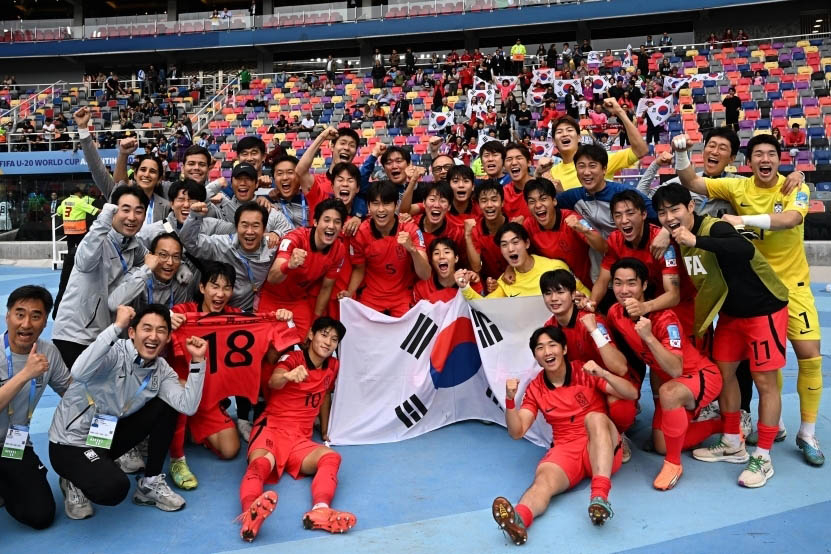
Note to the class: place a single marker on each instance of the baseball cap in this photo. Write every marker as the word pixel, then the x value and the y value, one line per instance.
pixel 244 169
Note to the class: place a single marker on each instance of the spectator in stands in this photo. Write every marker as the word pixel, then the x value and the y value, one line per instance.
pixel 331 67
pixel 566 56
pixel 643 61
pixel 307 123
pixel 742 37
pixel 649 43
pixel 112 86
pixel 666 40
pixel 795 139
pixel 196 86
pixel 395 58
pixel 777 134
pixel 665 68
pixel 541 54
pixel 499 62
pixel 419 78
pixel 378 57
pixel 378 74
pixel 151 80
pixel 378 113
pixel 712 40
pixel 294 126
pixel 599 119
pixel 551 56
pixel 523 121
pixel 400 112
pixel 518 56
pixel 727 38
pixel 732 105
pixel 466 78
pixel 758 78
pixel 225 15
pixel 409 61
pixel 653 132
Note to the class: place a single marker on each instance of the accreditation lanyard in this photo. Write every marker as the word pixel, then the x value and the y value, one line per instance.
pixel 150 294
pixel 32 385
pixel 148 216
pixel 287 211
pixel 120 256
pixel 254 285
pixel 17 436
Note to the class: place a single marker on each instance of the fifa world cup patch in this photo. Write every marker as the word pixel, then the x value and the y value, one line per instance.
pixel 670 259
pixel 674 336
pixel 801 200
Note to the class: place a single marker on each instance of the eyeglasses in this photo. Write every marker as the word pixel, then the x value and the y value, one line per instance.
pixel 164 256
pixel 445 168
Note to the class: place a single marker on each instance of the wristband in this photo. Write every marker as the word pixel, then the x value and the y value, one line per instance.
pixel 510 404
pixel 599 338
pixel 83 132
pixel 682 161
pixel 762 221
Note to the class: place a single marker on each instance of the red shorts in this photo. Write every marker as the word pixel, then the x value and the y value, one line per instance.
pixel 390 306
pixel 760 339
pixel 289 448
pixel 207 421
pixel 573 459
pixel 705 386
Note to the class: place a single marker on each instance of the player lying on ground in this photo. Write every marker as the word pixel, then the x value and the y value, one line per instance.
pixel 571 397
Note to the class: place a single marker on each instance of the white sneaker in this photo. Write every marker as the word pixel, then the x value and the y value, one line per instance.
pixel 244 427
pixel 131 461
pixel 708 412
pixel 746 424
pixel 154 491
pixel 757 472
pixel 75 504
pixel 720 452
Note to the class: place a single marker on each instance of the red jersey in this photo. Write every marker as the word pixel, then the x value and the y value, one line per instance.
pixel 514 203
pixel 319 264
pixel 446 229
pixel 433 291
pixel 565 407
pixel 296 405
pixel 619 248
pixel 667 329
pixel 320 191
pixel 457 219
pixel 493 262
pixel 580 343
pixel 389 268
pixel 562 242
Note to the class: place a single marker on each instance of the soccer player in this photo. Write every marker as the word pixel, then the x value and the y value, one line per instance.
pixel 308 259
pixel 121 391
pixel 517 161
pixel 155 281
pixel 559 233
pixel 462 205
pixel 104 257
pixel 514 243
pixel 299 390
pixel 243 183
pixel 590 340
pixel 687 381
pixel 567 140
pixel 586 443
pixel 433 215
pixel 441 286
pixel 28 365
pixel 247 250
pixel 387 255
pixel 735 282
pixel 777 217
pixel 483 254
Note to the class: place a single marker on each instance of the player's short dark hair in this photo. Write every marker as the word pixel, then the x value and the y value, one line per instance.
pixel 552 281
pixel 442 241
pixel 565 120
pixel 331 204
pixel 326 322
pixel 461 171
pixel 670 195
pixel 196 150
pixel 489 185
pixel 640 269
pixel 593 152
pixel 248 142
pixel 350 168
pixel 31 292
pixel 554 333
pixel 212 270
pixel 763 139
pixel 494 147
pixel 155 241
pixel 348 132
pixel 511 227
pixel 285 158
pixel 543 186
pixel 156 309
pixel 385 191
pixel 522 150
pixel 628 195
pixel 132 190
pixel 250 206
pixel 195 190
pixel 442 188
pixel 392 150
pixel 728 134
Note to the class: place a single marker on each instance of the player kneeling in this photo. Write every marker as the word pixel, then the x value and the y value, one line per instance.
pixel 300 388
pixel 571 396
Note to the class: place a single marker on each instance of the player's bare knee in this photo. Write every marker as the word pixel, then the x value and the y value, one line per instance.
pixel 671 395
pixel 228 451
pixel 596 424
pixel 766 383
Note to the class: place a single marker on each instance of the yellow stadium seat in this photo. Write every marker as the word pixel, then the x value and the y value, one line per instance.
pixel 804 70
pixel 691 71
pixel 257 123
pixel 413 123
pixel 685 92
pixel 230 117
pixel 771 65
pixel 337 99
pixel 803 43
pixel 318 162
pixel 295 113
pixel 367 133
pixel 692 53
pixel 294 101
pixel 274 108
pixel 798 120
pixel 811 49
pixel 291 152
pixel 758 54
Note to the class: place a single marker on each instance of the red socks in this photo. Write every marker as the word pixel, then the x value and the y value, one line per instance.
pixel 177 445
pixel 253 480
pixel 732 422
pixel 525 514
pixel 601 486
pixel 698 431
pixel 622 413
pixel 674 425
pixel 326 479
pixel 766 435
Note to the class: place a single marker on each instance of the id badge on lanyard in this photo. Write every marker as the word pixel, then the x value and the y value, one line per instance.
pixel 102 428
pixel 17 435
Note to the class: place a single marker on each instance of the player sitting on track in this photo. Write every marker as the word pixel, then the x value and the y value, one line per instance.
pixel 300 388
pixel 571 397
